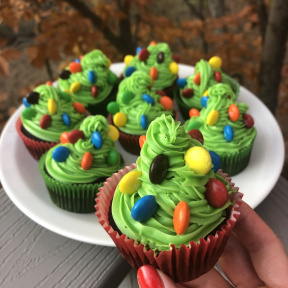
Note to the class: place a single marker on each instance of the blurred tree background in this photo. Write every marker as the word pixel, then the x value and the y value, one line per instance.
pixel 38 38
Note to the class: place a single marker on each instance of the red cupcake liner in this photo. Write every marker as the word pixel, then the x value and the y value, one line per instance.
pixel 182 264
pixel 36 148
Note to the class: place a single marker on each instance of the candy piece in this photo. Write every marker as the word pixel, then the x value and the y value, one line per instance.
pixel 197 79
pixel 216 161
pixel 228 133
pixel 77 60
pixel 130 183
pixel 204 101
pixel 65 74
pixel 248 120
pixel 86 161
pixel 60 153
pixel 193 124
pixel 216 193
pixel 173 67
pixel 52 107
pixel 97 140
pixel 120 119
pixel 143 54
pixel 112 78
pixel 166 102
pixel 65 96
pixel 25 102
pixel 75 87
pixel 127 96
pixel 33 97
pixel 158 169
pixel 79 107
pixel 144 208
pixel 75 135
pixel 154 73
pixel 75 67
pixel 92 76
pixel 160 57
pixel 193 112
pixel 187 93
pixel 113 157
pixel 64 137
pixel 217 76
pixel 29 113
pixel 144 122
pixel 181 82
pixel 233 112
pixel 142 140
pixel 181 217
pixel 94 91
pixel 128 59
pixel 113 107
pixel 138 49
pixel 66 119
pixel 152 43
pixel 205 93
pixel 147 98
pixel 215 62
pixel 113 133
pixel 212 117
pixel 49 83
pixel 129 71
pixel 176 58
pixel 197 135
pixel 45 121
pixel 160 92
pixel 198 159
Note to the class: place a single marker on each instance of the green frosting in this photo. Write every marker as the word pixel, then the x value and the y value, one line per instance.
pixel 165 136
pixel 70 171
pixel 221 97
pixel 138 84
pixel 207 80
pixel 93 62
pixel 31 116
pixel 165 76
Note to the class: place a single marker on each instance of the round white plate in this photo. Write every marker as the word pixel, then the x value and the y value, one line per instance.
pixel 24 185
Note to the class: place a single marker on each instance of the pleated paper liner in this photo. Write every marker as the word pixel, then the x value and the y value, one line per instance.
pixel 35 148
pixel 181 264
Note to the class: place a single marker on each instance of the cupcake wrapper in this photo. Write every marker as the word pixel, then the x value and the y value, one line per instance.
pixel 182 264
pixel 36 148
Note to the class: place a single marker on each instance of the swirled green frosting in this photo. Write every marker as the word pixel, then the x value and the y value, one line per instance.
pixel 71 171
pixel 138 84
pixel 105 79
pixel 165 76
pixel 221 97
pixel 31 116
pixel 207 80
pixel 165 136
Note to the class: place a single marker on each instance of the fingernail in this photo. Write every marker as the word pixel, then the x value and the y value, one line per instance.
pixel 148 277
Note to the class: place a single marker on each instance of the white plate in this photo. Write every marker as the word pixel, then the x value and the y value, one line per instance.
pixel 24 185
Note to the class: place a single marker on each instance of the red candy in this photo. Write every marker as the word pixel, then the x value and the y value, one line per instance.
pixel 217 76
pixel 193 112
pixel 75 67
pixel 64 137
pixel 80 108
pixel 197 135
pixel 45 121
pixel 94 91
pixel 176 58
pixel 160 92
pixel 75 135
pixel 216 193
pixel 142 140
pixel 248 120
pixel 166 102
pixel 197 79
pixel 188 92
pixel 143 54
pixel 87 161
pixel 181 217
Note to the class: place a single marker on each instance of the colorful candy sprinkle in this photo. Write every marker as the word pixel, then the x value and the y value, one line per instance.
pixel 144 208
pixel 29 113
pixel 138 49
pixel 198 159
pixel 92 76
pixel 75 87
pixel 181 82
pixel 75 135
pixel 86 161
pixel 25 102
pixel 120 119
pixel 212 117
pixel 75 67
pixel 248 120
pixel 160 57
pixel 228 133
pixel 181 217
pixel 113 157
pixel 128 59
pixel 197 135
pixel 94 91
pixel 152 43
pixel 130 183
pixel 142 140
pixel 79 107
pixel 187 93
pixel 144 122
pixel 65 74
pixel 113 133
pixel 147 98
pixel 126 97
pixel 49 83
pixel 129 71
pixel 158 169
pixel 197 79
pixel 113 107
pixel 215 62
pixel 33 97
pixel 233 112
pixel 65 96
pixel 217 76
pixel 66 119
pixel 64 137
pixel 160 92
pixel 154 73
pixel 45 121
pixel 193 112
pixel 97 140
pixel 176 58
pixel 166 102
pixel 52 107
pixel 143 54
pixel 173 67
pixel 112 78
pixel 216 193
pixel 60 153
pixel 216 161
pixel 204 101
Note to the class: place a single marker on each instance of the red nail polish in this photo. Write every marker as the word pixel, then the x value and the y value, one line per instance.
pixel 148 277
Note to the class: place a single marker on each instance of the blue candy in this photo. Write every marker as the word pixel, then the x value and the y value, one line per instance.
pixel 97 140
pixel 129 71
pixel 91 77
pixel 204 101
pixel 144 208
pixel 25 102
pixel 77 60
pixel 228 133
pixel 147 98
pixel 60 153
pixel 216 160
pixel 144 122
pixel 66 119
pixel 138 50
pixel 181 82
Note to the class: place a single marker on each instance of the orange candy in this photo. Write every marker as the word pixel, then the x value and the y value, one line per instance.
pixel 194 112
pixel 49 83
pixel 152 43
pixel 87 161
pixel 166 102
pixel 80 108
pixel 181 217
pixel 142 140
pixel 64 137
pixel 197 79
pixel 75 67
pixel 153 73
pixel 233 112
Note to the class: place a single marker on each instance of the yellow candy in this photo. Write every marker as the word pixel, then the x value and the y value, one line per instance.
pixel 109 63
pixel 68 92
pixel 75 87
pixel 212 117
pixel 173 67
pixel 198 159
pixel 127 59
pixel 52 107
pixel 129 184
pixel 119 119
pixel 113 133
pixel 215 62
pixel 205 93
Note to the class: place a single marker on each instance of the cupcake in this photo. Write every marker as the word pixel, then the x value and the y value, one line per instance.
pixel 158 61
pixel 227 128
pixel 135 107
pixel 90 81
pixel 195 86
pixel 47 114
pixel 74 169
pixel 171 210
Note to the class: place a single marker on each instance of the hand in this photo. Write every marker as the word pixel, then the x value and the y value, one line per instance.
pixel 253 257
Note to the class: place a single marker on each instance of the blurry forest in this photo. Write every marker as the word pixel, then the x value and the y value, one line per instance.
pixel 38 38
